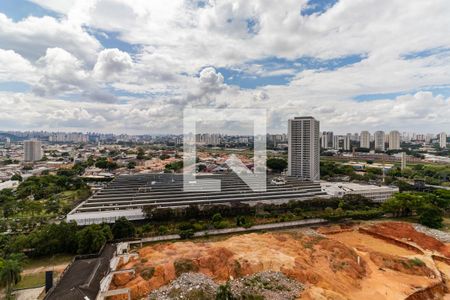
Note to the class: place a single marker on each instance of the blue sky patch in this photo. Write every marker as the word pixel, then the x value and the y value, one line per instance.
pixel 280 71
pixel 14 86
pixel 21 9
pixel 443 90
pixel 378 96
pixel 252 26
pixel 110 39
pixel 317 7
pixel 426 53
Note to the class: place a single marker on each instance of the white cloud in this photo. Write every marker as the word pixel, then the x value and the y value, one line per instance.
pixel 14 67
pixel 61 72
pixel 180 46
pixel 210 79
pixel 112 62
pixel 32 37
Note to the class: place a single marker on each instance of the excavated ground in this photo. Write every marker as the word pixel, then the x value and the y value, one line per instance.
pixel 337 262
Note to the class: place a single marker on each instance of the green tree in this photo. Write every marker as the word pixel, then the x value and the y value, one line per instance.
pixel 276 164
pixel 10 270
pixel 403 204
pixel 201 167
pixel 6 195
pixel 131 165
pixel 103 163
pixel 175 166
pixel 92 238
pixel 140 154
pixel 431 216
pixel 17 177
pixel 123 228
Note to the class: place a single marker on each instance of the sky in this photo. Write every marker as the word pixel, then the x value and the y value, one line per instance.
pixel 133 66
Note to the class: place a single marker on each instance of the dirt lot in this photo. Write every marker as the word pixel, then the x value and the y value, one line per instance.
pixel 362 241
pixel 337 264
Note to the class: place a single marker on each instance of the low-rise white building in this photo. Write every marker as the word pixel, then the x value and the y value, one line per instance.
pixel 10 184
pixel 373 192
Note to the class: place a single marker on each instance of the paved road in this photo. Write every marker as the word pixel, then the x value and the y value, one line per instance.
pixel 272 226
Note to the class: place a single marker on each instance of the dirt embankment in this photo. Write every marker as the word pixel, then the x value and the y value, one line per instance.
pixel 405 231
pixel 319 261
pixel 345 264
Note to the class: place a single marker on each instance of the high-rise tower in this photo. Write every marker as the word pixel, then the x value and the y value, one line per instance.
pixel 304 148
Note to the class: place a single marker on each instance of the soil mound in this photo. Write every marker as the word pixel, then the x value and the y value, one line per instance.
pixel 413 266
pixel 406 231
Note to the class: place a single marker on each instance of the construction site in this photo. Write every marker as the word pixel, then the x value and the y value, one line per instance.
pixel 373 261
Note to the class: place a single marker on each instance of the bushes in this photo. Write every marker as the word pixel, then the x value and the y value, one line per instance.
pixel 184 265
pixel 147 273
pixel 242 221
pixel 186 234
pixel 163 229
pixel 198 212
pixel 218 222
pixel 354 214
pixel 224 292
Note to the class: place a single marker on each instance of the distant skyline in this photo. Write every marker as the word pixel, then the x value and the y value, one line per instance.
pixel 227 132
pixel 117 66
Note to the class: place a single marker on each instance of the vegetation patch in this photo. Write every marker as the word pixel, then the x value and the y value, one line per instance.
pixel 31 281
pixel 184 265
pixel 147 273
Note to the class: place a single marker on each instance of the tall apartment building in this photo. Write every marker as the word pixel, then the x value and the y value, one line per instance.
pixel 394 140
pixel 347 142
pixel 32 150
pixel 74 137
pixel 379 138
pixel 327 140
pixel 364 140
pixel 443 140
pixel 324 140
pixel 403 163
pixel 304 148
pixel 208 139
pixel 337 145
pixel 8 143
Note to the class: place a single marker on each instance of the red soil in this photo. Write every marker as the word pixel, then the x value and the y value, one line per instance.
pixel 334 268
pixel 407 232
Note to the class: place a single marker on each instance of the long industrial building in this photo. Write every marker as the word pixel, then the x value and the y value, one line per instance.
pixel 127 195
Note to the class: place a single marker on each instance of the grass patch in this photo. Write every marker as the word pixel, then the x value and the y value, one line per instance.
pixel 50 261
pixel 416 262
pixel 31 281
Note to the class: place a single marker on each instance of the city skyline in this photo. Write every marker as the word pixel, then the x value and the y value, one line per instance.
pixel 132 67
